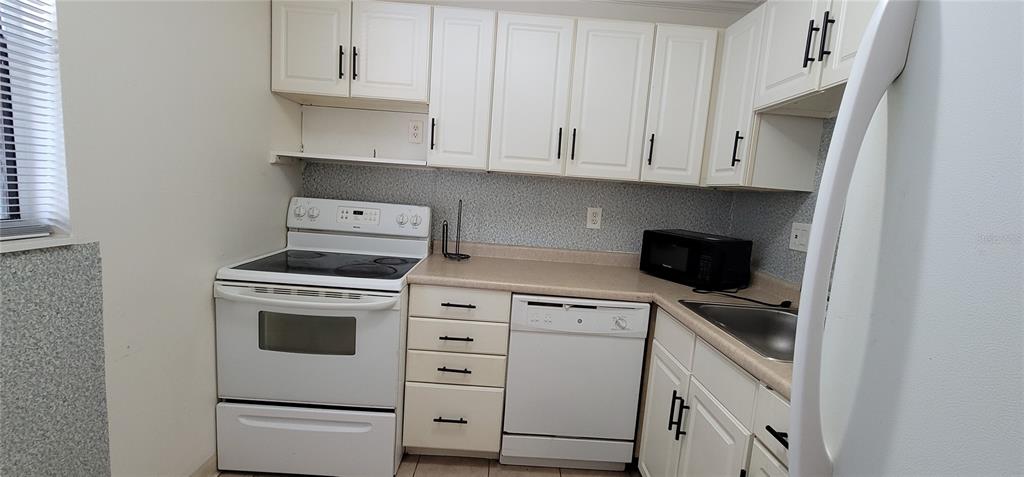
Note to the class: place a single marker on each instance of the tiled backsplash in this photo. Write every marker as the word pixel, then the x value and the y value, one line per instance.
pixel 550 211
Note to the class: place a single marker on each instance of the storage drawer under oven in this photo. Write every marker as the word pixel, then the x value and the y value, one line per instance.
pixel 282 439
pixel 441 416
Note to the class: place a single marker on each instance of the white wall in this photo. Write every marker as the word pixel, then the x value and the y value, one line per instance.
pixel 169 119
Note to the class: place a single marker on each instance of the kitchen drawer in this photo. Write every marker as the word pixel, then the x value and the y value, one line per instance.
pixel 455 368
pixel 298 440
pixel 431 334
pixel 472 417
pixel 677 339
pixel 460 303
pixel 727 382
pixel 762 464
pixel 771 410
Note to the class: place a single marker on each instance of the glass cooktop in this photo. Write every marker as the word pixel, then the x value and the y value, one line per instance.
pixel 332 264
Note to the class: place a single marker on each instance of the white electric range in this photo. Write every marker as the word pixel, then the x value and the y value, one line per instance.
pixel 310 339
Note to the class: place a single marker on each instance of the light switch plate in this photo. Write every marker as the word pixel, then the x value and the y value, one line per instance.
pixel 798 237
pixel 593 217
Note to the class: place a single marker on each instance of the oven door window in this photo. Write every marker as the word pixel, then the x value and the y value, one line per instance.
pixel 307 334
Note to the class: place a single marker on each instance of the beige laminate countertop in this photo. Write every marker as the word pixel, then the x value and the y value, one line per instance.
pixel 609 283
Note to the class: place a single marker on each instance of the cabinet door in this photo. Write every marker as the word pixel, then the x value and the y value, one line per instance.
pixel 667 383
pixel 716 443
pixel 734 107
pixel 610 81
pixel 462 60
pixel 789 63
pixel 308 41
pixel 677 114
pixel 531 93
pixel 842 38
pixel 390 50
pixel 763 464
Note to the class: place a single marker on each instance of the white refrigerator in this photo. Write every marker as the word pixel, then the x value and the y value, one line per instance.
pixel 910 340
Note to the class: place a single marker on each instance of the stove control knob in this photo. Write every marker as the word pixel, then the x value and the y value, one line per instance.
pixel 415 221
pixel 314 212
pixel 300 211
pixel 402 219
pixel 621 323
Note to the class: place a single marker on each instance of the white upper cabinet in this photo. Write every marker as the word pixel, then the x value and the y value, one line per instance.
pixel 734 108
pixel 390 50
pixel 789 63
pixel 308 42
pixel 462 62
pixel 716 443
pixel 677 113
pixel 610 81
pixel 531 93
pixel 841 39
pixel 661 442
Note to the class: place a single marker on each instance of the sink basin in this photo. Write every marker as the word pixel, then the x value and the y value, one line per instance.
pixel 769 331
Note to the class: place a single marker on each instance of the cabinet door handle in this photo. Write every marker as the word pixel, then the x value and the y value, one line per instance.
pixel 433 125
pixel 679 418
pixel 355 62
pixel 341 61
pixel 735 147
pixel 672 410
pixel 558 153
pixel 572 153
pixel 782 437
pixel 451 421
pixel 824 36
pixel 807 47
pixel 455 338
pixel 650 151
pixel 458 305
pixel 445 369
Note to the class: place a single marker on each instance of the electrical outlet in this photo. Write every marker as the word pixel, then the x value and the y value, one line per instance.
pixel 593 217
pixel 416 131
pixel 798 237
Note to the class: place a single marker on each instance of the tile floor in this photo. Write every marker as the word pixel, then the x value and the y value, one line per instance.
pixel 435 466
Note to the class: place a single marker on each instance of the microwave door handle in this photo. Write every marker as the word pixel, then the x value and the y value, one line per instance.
pixel 238 294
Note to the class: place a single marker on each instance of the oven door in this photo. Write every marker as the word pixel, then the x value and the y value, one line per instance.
pixel 308 345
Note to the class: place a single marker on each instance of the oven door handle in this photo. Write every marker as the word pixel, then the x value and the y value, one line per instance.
pixel 236 293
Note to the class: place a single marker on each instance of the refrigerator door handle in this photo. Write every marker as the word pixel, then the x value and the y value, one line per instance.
pixel 880 59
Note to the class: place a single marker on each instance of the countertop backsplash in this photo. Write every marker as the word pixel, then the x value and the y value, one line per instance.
pixel 550 212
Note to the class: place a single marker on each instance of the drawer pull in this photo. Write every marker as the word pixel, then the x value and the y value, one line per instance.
pixel 451 421
pixel 446 369
pixel 782 437
pixel 455 338
pixel 458 305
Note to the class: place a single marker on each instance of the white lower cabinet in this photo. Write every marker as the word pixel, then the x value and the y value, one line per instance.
pixel 668 383
pixel 763 464
pixel 441 416
pixel 716 443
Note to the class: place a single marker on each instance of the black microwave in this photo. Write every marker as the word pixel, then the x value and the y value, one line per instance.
pixel 703 261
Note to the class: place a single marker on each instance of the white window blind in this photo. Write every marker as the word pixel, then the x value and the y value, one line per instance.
pixel 34 199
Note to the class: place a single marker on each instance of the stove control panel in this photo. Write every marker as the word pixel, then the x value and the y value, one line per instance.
pixel 362 217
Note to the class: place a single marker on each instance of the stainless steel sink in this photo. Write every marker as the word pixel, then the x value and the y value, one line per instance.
pixel 770 331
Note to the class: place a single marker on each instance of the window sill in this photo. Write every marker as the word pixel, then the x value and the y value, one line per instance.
pixel 35 243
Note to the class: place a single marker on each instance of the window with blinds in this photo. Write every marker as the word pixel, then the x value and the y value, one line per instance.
pixel 34 195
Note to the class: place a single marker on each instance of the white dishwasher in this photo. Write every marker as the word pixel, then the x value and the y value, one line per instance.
pixel 573 384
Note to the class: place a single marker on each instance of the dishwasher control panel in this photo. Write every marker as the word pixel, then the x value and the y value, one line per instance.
pixel 574 315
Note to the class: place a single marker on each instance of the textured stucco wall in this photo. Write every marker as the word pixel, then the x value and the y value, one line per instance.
pixel 53 406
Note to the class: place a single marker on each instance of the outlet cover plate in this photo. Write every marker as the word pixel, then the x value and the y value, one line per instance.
pixel 798 236
pixel 416 131
pixel 593 217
